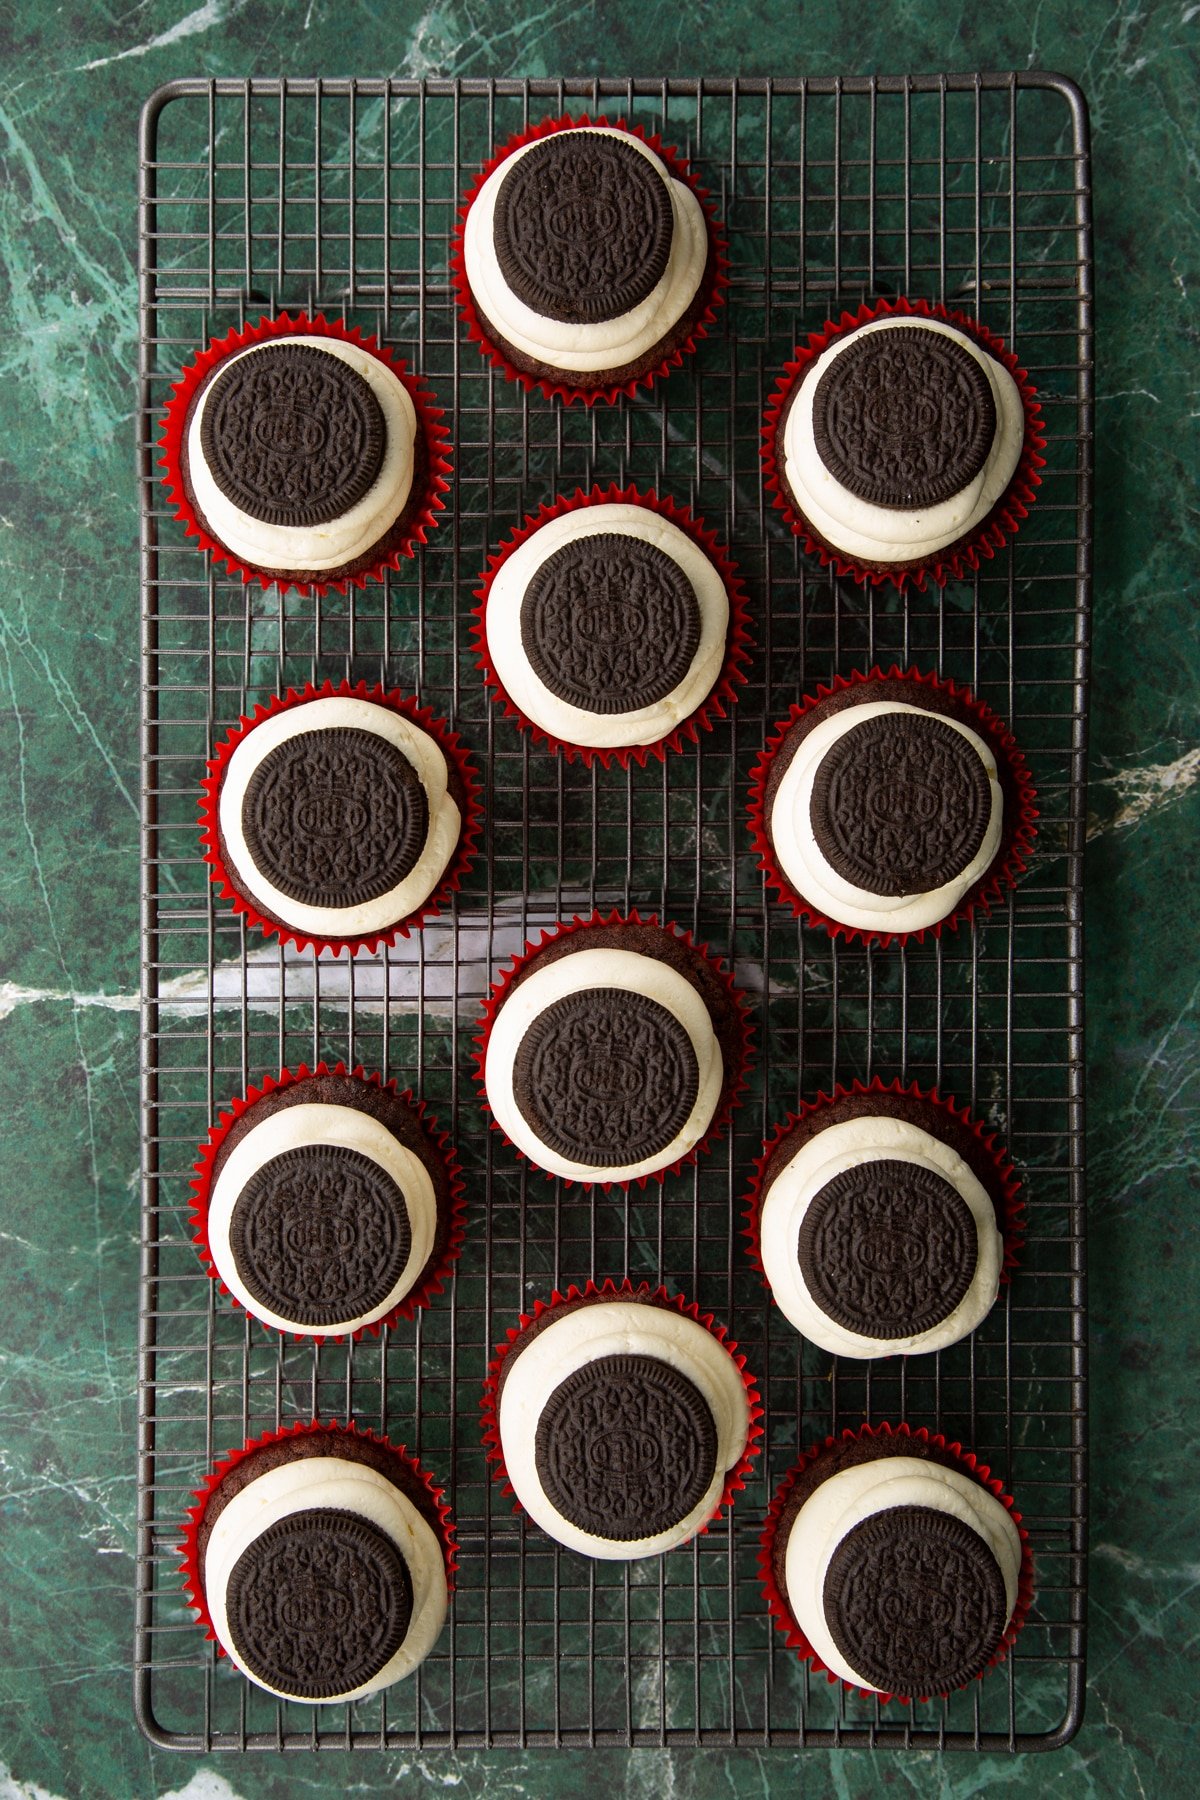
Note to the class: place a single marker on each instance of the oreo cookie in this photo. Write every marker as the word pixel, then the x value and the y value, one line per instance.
pixel 582 227
pixel 320 1234
pixel 887 1248
pixel 904 418
pixel 292 435
pixel 606 1077
pixel 335 817
pixel 914 1600
pixel 610 623
pixel 626 1447
pixel 318 1603
pixel 900 804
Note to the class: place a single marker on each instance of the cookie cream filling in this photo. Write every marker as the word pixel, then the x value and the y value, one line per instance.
pixel 338 712
pixel 342 540
pixel 884 533
pixel 854 1494
pixel 583 969
pixel 617 1328
pixel 846 1145
pixel 291 1128
pixel 303 1485
pixel 572 724
pixel 607 344
pixel 811 874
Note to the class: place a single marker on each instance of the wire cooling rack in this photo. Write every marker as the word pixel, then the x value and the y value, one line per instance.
pixel 342 195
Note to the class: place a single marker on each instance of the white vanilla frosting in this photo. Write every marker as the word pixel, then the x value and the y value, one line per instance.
pixel 855 1494
pixel 604 344
pixel 617 1328
pixel 338 712
pixel 332 1481
pixel 294 1127
pixel 884 533
pixel 808 869
pixel 341 540
pixel 573 724
pixel 628 970
pixel 847 1145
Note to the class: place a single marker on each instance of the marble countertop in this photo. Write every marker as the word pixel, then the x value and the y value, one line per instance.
pixel 72 82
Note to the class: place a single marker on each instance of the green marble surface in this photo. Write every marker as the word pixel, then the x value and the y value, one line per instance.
pixel 71 80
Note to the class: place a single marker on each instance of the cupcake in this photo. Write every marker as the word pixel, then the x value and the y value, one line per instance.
pixel 299 451
pixel 891 805
pixel 612 1051
pixel 339 817
pixel 588 260
pixel 903 444
pixel 612 625
pixel 883 1220
pixel 895 1561
pixel 622 1419
pixel 321 1560
pixel 327 1203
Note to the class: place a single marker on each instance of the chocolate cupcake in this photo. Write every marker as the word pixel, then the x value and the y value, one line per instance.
pixel 339 817
pixel 621 1418
pixel 613 625
pixel 891 805
pixel 894 1561
pixel 587 260
pixel 321 1560
pixel 883 1220
pixel 903 444
pixel 328 1203
pixel 612 1051
pixel 299 451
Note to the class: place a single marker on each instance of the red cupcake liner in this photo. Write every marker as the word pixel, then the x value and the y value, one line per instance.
pixel 435 1509
pixel 429 423
pixel 777 1603
pixel 1017 841
pixel 437 1274
pixel 723 693
pixel 713 285
pixel 991 534
pixel 735 1479
pixel 448 742
pixel 1013 1205
pixel 733 1089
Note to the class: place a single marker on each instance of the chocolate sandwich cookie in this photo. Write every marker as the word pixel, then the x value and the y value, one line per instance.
pixel 586 258
pixel 901 439
pixel 336 816
pixel 302 452
pixel 882 1220
pixel 897 1562
pixel 328 1204
pixel 891 803
pixel 611 622
pixel 612 1051
pixel 618 1417
pixel 320 1560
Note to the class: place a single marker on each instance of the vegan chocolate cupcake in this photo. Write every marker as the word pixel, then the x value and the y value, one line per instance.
pixel 300 451
pixel 890 805
pixel 339 817
pixel 896 1562
pixel 903 444
pixel 328 1203
pixel 883 1220
pixel 588 259
pixel 613 625
pixel 612 1051
pixel 621 1418
pixel 321 1560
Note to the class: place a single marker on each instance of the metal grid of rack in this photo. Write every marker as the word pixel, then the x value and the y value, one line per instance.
pixel 341 195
